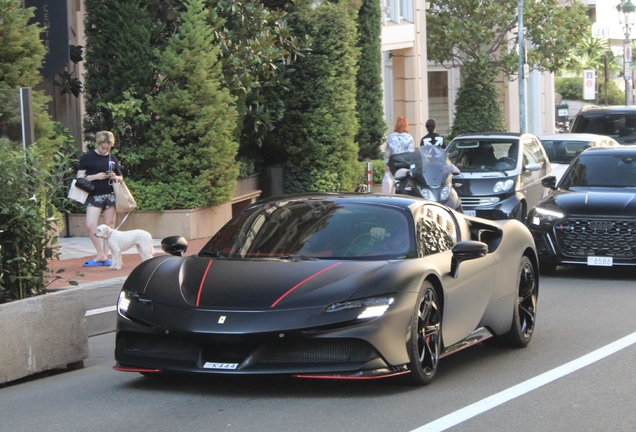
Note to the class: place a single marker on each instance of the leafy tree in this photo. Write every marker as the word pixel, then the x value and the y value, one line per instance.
pixel 257 49
pixel 484 33
pixel 27 216
pixel 369 82
pixel 315 140
pixel 194 148
pixel 119 62
pixel 589 53
pixel 21 55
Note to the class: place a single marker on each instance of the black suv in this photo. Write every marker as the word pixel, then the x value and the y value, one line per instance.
pixel 618 122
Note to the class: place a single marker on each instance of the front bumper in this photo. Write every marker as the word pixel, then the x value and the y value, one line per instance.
pixel 370 348
pixel 504 209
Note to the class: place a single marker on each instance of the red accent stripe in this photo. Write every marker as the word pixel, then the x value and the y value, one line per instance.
pixel 302 282
pixel 351 378
pixel 202 281
pixel 126 369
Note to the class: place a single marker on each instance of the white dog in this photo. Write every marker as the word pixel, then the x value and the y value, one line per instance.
pixel 120 241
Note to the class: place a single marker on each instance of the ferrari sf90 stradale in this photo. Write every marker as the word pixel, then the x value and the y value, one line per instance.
pixel 346 286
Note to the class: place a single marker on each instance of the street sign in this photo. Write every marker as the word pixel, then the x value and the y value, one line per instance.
pixel 589 84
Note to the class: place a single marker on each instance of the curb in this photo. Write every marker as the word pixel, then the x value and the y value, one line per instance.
pixel 100 321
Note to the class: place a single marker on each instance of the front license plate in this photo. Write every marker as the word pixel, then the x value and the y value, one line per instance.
pixel 600 261
pixel 470 212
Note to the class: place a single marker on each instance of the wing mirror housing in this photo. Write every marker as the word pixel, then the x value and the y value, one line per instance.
pixel 532 167
pixel 174 245
pixel 549 182
pixel 466 250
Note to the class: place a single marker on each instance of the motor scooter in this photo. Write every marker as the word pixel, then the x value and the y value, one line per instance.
pixel 426 172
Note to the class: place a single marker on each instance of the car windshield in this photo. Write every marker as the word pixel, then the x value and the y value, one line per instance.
pixel 564 151
pixel 483 154
pixel 601 170
pixel 315 229
pixel 621 127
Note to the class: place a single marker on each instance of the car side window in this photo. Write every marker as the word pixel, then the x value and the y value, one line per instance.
pixel 436 230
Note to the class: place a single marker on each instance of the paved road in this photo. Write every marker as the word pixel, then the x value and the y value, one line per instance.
pixel 552 385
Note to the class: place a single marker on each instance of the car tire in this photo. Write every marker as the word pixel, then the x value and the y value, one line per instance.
pixel 425 343
pixel 525 308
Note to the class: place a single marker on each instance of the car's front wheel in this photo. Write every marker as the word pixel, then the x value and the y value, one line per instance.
pixel 525 306
pixel 426 337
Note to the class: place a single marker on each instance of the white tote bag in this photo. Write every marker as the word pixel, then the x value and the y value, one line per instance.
pixel 387 183
pixel 77 194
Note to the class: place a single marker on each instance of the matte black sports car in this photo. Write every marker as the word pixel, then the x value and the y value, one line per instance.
pixel 590 217
pixel 331 286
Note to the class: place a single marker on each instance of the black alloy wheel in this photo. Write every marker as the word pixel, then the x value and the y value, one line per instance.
pixel 426 337
pixel 525 307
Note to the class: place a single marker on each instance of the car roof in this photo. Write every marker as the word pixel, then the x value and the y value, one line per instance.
pixel 402 201
pixel 494 135
pixel 624 149
pixel 594 109
pixel 574 137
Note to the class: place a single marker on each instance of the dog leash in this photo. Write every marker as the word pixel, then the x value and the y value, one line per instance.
pixel 122 221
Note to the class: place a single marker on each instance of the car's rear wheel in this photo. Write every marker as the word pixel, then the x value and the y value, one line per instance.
pixel 525 307
pixel 426 337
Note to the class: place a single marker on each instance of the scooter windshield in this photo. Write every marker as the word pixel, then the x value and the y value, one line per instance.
pixel 434 166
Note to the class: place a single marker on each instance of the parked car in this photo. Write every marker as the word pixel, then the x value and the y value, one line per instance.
pixel 501 174
pixel 618 122
pixel 331 286
pixel 590 217
pixel 562 148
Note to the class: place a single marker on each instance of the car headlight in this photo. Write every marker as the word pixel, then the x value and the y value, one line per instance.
pixel 544 215
pixel 126 296
pixel 503 186
pixel 123 302
pixel 427 194
pixel 370 307
pixel 444 193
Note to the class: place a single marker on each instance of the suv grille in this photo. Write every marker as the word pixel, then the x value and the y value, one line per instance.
pixel 588 237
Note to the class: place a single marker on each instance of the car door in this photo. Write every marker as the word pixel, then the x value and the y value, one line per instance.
pixel 467 296
pixel 531 186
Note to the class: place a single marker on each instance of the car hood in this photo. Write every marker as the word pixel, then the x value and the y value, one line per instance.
pixel 257 284
pixel 594 203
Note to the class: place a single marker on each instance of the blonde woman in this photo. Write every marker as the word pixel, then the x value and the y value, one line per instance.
pixel 102 169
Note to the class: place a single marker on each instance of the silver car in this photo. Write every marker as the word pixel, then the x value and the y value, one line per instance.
pixel 563 148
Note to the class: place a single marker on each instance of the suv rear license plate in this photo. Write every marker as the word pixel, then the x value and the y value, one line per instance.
pixel 600 261
pixel 470 212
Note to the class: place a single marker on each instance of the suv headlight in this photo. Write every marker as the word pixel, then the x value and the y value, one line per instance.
pixel 503 186
pixel 544 215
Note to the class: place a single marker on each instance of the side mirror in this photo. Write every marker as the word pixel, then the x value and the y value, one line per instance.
pixel 401 174
pixel 466 250
pixel 549 182
pixel 532 167
pixel 174 245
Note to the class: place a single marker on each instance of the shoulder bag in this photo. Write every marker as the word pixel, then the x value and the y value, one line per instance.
pixel 76 193
pixel 124 201
pixel 84 184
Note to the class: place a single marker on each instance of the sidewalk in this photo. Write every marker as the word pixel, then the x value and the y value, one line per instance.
pixel 75 251
pixel 101 284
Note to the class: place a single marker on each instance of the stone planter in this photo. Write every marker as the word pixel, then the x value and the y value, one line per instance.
pixel 191 223
pixel 43 333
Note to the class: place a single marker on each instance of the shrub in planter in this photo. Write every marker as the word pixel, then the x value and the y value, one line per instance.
pixel 27 221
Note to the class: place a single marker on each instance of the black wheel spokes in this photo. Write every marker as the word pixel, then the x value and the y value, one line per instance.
pixel 428 325
pixel 527 299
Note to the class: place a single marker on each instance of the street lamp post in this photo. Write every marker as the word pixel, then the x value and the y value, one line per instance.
pixel 626 10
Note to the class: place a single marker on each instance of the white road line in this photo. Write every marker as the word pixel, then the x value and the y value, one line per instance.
pixel 504 396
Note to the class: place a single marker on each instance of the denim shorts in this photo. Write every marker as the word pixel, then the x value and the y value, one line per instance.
pixel 101 201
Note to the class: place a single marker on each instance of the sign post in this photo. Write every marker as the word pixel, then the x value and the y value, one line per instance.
pixel 589 84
